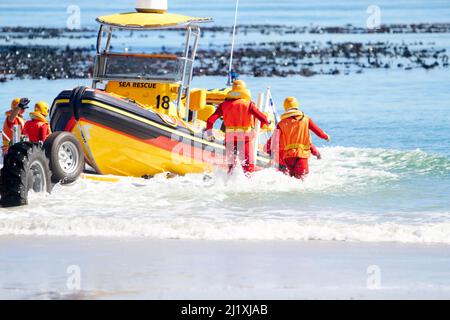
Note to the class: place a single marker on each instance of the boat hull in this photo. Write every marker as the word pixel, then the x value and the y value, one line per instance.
pixel 121 138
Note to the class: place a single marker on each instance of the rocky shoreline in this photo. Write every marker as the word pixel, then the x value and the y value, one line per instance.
pixel 264 58
pixel 43 32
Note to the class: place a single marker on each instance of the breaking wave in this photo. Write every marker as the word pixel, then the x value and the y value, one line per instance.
pixel 270 206
pixel 227 229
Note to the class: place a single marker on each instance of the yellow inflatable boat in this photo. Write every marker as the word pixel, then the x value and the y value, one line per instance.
pixel 141 117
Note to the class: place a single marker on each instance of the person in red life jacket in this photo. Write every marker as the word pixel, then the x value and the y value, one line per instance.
pixel 239 113
pixel 294 140
pixel 38 129
pixel 13 117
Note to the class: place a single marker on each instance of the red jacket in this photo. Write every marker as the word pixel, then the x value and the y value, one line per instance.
pixel 252 111
pixel 36 130
pixel 8 128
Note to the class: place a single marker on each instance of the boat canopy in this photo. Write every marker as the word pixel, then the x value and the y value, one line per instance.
pixel 153 20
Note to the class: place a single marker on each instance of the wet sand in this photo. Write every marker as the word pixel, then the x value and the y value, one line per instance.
pixel 112 268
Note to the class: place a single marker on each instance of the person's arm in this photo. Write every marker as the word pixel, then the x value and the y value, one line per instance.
pixel 314 150
pixel 319 132
pixel 275 138
pixel 258 114
pixel 23 104
pixel 268 146
pixel 45 132
pixel 213 118
pixel 12 116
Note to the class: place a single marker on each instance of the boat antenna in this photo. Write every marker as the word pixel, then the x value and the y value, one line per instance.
pixel 232 44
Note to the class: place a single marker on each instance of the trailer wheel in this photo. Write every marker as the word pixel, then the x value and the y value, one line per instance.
pixel 25 168
pixel 66 157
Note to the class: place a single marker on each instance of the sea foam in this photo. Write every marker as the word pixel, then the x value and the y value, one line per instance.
pixel 270 206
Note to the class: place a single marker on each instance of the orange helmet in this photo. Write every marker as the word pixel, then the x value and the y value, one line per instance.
pixel 239 91
pixel 291 103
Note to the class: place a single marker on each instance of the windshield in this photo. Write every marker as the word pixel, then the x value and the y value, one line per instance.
pixel 157 56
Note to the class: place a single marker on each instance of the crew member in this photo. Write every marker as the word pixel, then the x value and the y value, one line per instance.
pixel 239 113
pixel 38 129
pixel 281 165
pixel 13 117
pixel 294 140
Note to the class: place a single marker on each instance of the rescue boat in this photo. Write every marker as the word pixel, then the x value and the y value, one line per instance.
pixel 141 117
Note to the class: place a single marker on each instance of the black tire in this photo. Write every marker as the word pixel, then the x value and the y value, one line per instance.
pixel 64 171
pixel 25 168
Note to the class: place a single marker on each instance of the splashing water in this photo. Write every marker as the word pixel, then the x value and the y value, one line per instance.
pixel 331 204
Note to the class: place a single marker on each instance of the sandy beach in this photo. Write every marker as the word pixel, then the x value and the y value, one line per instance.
pixel 109 268
pixel 371 220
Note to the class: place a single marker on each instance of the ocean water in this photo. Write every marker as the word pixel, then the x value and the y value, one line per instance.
pixel 384 177
pixel 293 12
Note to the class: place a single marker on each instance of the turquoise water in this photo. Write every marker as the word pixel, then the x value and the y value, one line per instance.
pixel 384 177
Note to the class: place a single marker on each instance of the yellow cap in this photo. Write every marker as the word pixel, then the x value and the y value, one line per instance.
pixel 15 102
pixel 42 108
pixel 290 103
pixel 239 91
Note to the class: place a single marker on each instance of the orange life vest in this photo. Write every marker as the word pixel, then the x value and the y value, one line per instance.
pixel 237 116
pixel 8 128
pixel 295 138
